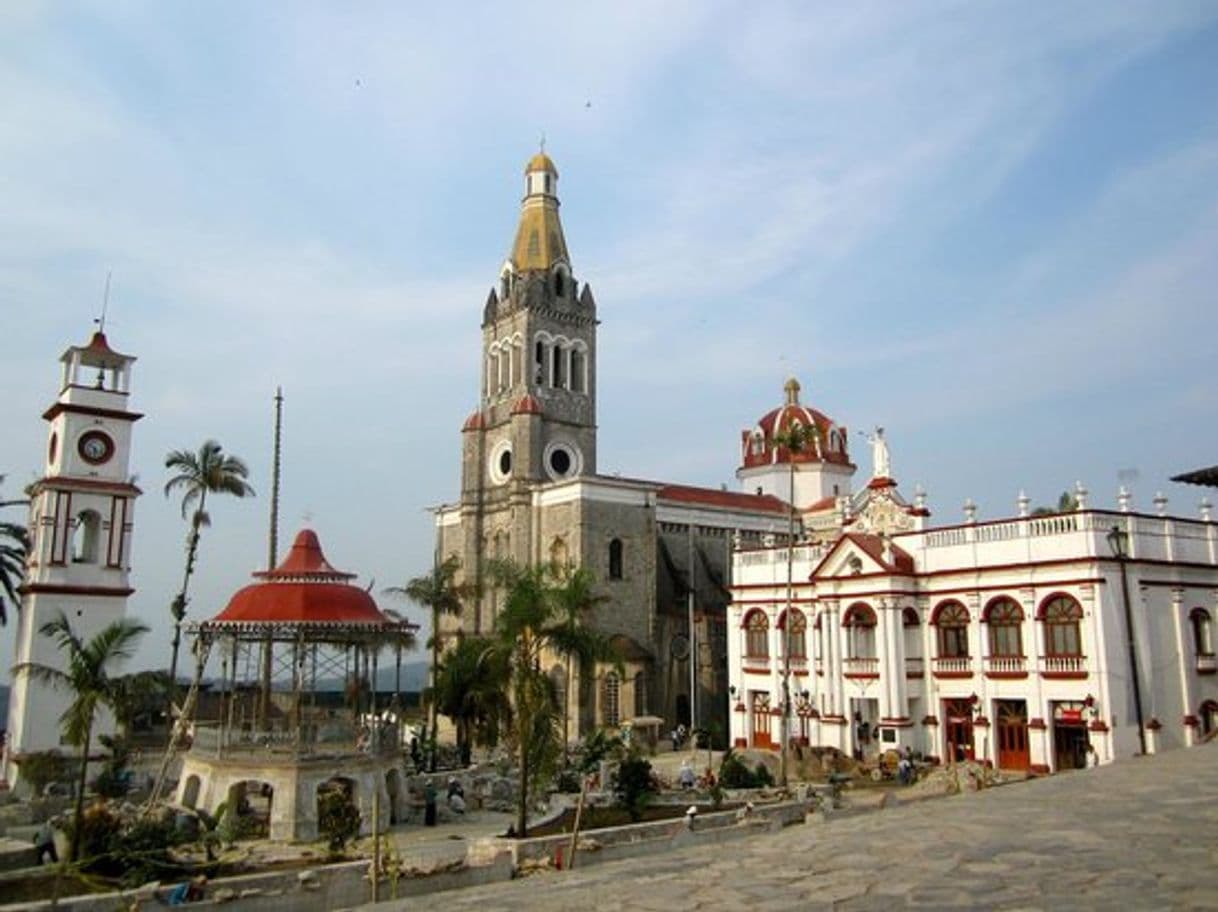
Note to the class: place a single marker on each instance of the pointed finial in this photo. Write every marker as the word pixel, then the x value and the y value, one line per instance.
pixel 542 142
pixel 791 388
pixel 101 320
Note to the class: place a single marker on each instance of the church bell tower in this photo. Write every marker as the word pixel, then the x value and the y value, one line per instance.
pixel 536 420
pixel 82 512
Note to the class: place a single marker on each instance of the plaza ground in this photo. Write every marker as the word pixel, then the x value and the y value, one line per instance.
pixel 1139 834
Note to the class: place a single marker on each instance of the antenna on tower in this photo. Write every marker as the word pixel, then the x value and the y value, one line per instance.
pixel 101 321
pixel 273 553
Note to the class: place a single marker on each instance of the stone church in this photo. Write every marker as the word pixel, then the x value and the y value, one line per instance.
pixel 530 491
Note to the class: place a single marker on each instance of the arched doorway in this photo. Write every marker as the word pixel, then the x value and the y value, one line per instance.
pixel 337 808
pixel 248 808
pixel 190 794
pixel 1209 718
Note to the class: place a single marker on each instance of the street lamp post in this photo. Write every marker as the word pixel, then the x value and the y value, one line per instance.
pixel 1118 541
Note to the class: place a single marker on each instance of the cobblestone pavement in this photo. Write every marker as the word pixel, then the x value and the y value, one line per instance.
pixel 1137 835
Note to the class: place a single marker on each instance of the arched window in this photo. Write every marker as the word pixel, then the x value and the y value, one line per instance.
pixel 1061 615
pixel 558 378
pixel 640 694
pixel 859 622
pixel 579 366
pixel 1005 620
pixel 559 282
pixel 539 363
pixel 615 559
pixel 1203 637
pixel 492 372
pixel 757 635
pixel 611 694
pixel 951 618
pixel 798 635
pixel 85 538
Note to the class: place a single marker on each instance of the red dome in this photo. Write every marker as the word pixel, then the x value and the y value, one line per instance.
pixel 304 588
pixel 475 422
pixel 829 445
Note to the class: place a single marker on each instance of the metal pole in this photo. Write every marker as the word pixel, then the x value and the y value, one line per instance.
pixel 784 729
pixel 693 652
pixel 1133 656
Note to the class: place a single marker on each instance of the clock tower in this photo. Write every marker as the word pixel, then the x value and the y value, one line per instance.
pixel 81 516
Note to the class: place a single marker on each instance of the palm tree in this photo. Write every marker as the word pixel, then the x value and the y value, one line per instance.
pixel 88 678
pixel 439 592
pixel 469 690
pixel 530 626
pixel 209 471
pixel 795 439
pixel 576 599
pixel 14 550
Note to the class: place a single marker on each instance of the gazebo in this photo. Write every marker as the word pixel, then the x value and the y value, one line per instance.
pixel 298 714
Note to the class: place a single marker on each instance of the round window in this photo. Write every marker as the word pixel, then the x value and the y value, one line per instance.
pixel 501 462
pixel 561 460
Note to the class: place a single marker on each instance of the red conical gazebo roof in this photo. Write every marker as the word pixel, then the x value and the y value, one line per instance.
pixel 303 589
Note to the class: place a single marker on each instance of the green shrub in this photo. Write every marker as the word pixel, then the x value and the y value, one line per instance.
pixel 337 818
pixel 762 777
pixel 42 768
pixel 634 785
pixel 733 774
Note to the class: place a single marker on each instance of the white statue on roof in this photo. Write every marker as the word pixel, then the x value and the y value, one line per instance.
pixel 881 464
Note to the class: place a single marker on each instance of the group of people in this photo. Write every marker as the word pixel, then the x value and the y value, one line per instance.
pixel 455 798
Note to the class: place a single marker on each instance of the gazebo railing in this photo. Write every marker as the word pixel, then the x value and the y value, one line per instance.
pixel 315 738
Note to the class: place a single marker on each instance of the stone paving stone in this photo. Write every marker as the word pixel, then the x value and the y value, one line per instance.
pixel 1137 835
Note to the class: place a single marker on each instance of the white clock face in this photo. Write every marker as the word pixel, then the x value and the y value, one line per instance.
pixel 95 447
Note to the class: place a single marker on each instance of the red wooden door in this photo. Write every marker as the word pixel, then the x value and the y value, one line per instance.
pixel 1013 735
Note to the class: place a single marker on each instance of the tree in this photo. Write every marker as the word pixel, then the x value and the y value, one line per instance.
pixel 795 439
pixel 530 626
pixel 469 690
pixel 439 592
pixel 138 697
pixel 14 550
pixel 209 471
pixel 1066 503
pixel 88 678
pixel 576 599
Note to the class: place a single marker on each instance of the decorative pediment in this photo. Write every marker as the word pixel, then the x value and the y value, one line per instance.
pixel 880 509
pixel 856 554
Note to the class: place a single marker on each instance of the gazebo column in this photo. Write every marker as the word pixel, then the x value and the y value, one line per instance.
pixel 264 692
pixel 373 695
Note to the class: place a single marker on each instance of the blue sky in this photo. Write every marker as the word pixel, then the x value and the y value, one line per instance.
pixel 991 228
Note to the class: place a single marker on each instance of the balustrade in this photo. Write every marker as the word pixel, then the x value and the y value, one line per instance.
pixel 952 665
pixel 1005 665
pixel 861 667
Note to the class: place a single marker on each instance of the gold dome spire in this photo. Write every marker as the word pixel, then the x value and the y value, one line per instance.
pixel 539 238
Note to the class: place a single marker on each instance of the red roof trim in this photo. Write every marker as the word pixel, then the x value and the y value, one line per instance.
pixel 729 500
pixel 527 405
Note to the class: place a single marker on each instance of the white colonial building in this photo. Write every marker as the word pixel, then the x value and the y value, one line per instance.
pixel 1005 641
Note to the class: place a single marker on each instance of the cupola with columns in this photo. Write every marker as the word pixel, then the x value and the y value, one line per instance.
pixel 821 472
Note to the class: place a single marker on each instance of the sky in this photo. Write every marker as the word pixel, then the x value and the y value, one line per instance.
pixel 991 228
